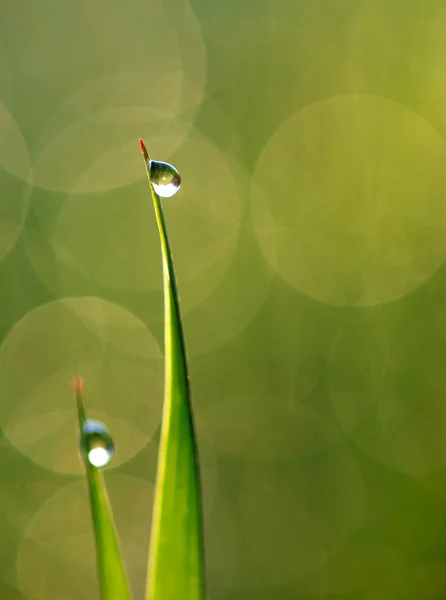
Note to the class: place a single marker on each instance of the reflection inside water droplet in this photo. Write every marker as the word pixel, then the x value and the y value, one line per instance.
pixel 97 443
pixel 165 178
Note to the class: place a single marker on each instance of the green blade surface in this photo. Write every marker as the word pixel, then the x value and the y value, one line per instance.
pixel 112 576
pixel 176 561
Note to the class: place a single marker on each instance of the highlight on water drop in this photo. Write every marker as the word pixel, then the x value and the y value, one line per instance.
pixel 97 443
pixel 164 177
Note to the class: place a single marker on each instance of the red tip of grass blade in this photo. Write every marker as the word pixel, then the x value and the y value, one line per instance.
pixel 78 384
pixel 144 149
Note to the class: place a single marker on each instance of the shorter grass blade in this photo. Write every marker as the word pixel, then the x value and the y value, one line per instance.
pixel 112 576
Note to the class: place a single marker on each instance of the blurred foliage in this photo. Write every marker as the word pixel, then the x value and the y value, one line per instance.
pixel 309 240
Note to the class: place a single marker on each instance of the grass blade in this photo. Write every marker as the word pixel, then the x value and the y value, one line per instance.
pixel 176 561
pixel 112 576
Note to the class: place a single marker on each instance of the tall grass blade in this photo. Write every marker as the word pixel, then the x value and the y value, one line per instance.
pixel 176 561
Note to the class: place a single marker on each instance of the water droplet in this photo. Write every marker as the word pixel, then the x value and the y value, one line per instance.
pixel 97 443
pixel 165 178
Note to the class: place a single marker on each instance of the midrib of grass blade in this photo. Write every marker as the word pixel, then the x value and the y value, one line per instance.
pixel 176 561
pixel 112 576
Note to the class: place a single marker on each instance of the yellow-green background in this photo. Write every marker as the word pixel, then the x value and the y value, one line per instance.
pixel 309 237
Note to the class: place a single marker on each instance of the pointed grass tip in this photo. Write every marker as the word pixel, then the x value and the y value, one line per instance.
pixel 144 150
pixel 78 384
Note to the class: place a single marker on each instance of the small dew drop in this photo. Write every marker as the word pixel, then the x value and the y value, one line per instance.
pixel 97 443
pixel 165 178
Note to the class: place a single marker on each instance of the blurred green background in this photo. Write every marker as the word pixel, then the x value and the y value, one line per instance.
pixel 309 237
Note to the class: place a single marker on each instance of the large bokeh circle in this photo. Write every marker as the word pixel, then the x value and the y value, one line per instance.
pixel 309 508
pixel 119 359
pixel 348 200
pixel 15 176
pixel 387 381
pixel 56 557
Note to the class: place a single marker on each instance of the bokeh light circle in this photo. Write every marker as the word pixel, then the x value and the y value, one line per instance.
pixel 154 88
pixel 221 543
pixel 387 386
pixel 267 425
pixel 6 76
pixel 203 221
pixel 348 200
pixel 14 181
pixel 309 509
pixel 14 156
pixel 120 243
pixel 276 29
pixel 98 152
pixel 56 557
pixel 119 359
pixel 419 581
pixel 358 567
pixel 158 45
pixel 235 302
